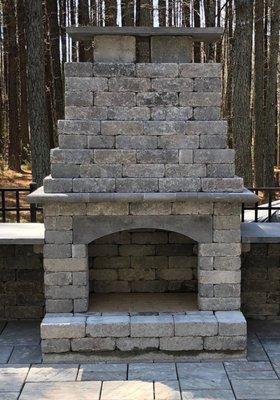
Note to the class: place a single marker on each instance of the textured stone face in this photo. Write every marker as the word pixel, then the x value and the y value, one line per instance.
pixel 124 113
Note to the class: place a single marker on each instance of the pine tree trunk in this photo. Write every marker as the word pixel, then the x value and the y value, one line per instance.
pixel 3 92
pixel 271 95
pixel 85 48
pixel 162 12
pixel 62 28
pixel 259 139
pixel 52 13
pixel 197 46
pixel 144 17
pixel 242 73
pixel 218 57
pixel 110 12
pixel 40 148
pixel 14 146
pixel 72 8
pixel 186 13
pixel 210 11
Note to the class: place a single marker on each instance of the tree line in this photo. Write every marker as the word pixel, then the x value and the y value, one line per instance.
pixel 34 47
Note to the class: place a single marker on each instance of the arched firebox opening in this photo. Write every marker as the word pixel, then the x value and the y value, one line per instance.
pixel 143 270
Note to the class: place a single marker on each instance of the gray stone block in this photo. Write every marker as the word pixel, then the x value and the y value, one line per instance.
pixel 155 99
pixel 197 70
pixel 198 99
pixel 136 142
pixel 172 85
pixel 170 49
pixel 129 113
pixel 227 263
pixel 219 303
pixel 59 306
pixel 85 113
pixel 101 142
pixel 72 127
pixel 222 184
pixel 227 222
pixel 115 156
pixel 164 128
pixel 125 84
pixel 92 344
pixel 118 99
pixel 205 290
pixel 143 170
pixel 136 344
pixel 63 327
pixel 72 142
pixel 113 69
pixel 55 345
pixel 78 69
pixel 213 141
pixel 157 156
pixel 108 326
pixel 66 292
pixel 186 156
pixel 58 278
pixel 183 171
pixel 78 98
pixel 69 156
pixel 62 170
pixel 214 156
pixel 178 142
pixel 231 323
pixel 80 278
pixel 181 343
pixel 130 128
pixel 158 113
pixel 207 85
pixel 207 113
pixel 79 251
pixel 52 185
pixel 219 249
pixel 178 113
pixel 153 70
pixel 59 222
pixel 227 236
pixel 227 290
pixel 152 326
pixel 219 343
pixel 147 208
pixel 101 171
pixel 107 208
pixel 179 184
pixel 219 277
pixel 136 185
pixel 206 128
pixel 199 324
pixel 94 185
pixel 84 85
pixel 115 49
pixel 58 237
pixel 81 305
pixel 220 170
pixel 57 250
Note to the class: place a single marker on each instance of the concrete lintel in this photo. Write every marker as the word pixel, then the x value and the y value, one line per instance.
pixel 89 228
pixel 39 196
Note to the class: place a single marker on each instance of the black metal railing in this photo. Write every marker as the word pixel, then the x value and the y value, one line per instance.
pixel 267 196
pixel 14 205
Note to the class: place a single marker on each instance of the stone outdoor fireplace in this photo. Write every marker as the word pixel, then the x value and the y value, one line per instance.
pixel 142 207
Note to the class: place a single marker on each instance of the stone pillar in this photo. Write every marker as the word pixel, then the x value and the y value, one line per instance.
pixel 171 49
pixel 118 49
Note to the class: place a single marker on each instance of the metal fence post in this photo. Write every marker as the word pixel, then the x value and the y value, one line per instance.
pixel 33 207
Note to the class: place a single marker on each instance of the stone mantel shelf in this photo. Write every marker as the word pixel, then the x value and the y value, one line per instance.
pixel 80 33
pixel 39 196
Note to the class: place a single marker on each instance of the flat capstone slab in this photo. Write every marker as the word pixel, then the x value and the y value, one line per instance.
pixel 189 331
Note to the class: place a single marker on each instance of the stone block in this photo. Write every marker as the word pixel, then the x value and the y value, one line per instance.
pixel 63 327
pixel 159 128
pixel 114 128
pixel 207 113
pixel 85 113
pixel 207 128
pixel 100 142
pixel 181 343
pixel 107 208
pixel 155 99
pixel 207 84
pixel 144 237
pixel 118 99
pixel 65 264
pixel 170 49
pixel 65 170
pixel 114 49
pixel 188 208
pixel 78 69
pixel 150 208
pixel 79 251
pixel 195 324
pixel 179 184
pixel 227 209
pixel 101 171
pixel 115 156
pixel 172 85
pixel 66 292
pixel 57 251
pixel 58 223
pixel 158 113
pixel 219 303
pixel 205 290
pixel 205 263
pixel 58 278
pixel 103 250
pixel 157 156
pixel 92 344
pixel 62 185
pixel 227 236
pixel 78 98
pixel 104 275
pixel 83 85
pixel 137 250
pixel 108 326
pixel 111 287
pixel 80 278
pixel 220 249
pixel 226 222
pixel 214 156
pixel 136 344
pixel 185 156
pixel 136 185
pixel 227 263
pixel 220 170
pixel 71 127
pixel 58 237
pixel 136 274
pixel 59 305
pixel 129 113
pixel 178 113
pixel 198 99
pixel 152 326
pixel 219 343
pixel 71 156
pixel 93 185
pixel 178 142
pixel 185 170
pixel 113 69
pixel 222 184
pixel 231 323
pixel 175 274
pixel 218 277
pixel 126 84
pixel 227 290
pixel 153 70
pixel 80 305
pixel 143 171
pixel 136 142
pixel 213 142
pixel 55 345
pixel 197 70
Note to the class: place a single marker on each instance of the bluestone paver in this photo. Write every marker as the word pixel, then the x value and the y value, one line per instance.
pixel 102 372
pixel 152 371
pixel 256 389
pixel 53 373
pixel 26 354
pixel 127 390
pixel 5 353
pixel 167 390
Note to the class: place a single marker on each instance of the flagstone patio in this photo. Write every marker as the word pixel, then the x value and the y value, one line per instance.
pixel 24 377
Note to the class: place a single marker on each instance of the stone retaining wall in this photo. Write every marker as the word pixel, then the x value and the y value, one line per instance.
pixel 21 282
pixel 143 261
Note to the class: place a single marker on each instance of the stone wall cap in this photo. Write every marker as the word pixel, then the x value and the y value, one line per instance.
pixel 260 232
pixel 80 33
pixel 39 196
